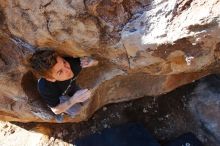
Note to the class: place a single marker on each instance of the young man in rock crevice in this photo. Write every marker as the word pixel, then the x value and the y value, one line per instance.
pixel 57 83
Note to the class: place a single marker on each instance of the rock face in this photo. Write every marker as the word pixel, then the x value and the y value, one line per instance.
pixel 205 105
pixel 145 48
pixel 37 136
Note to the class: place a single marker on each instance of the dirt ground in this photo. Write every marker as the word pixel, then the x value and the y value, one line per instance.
pixel 166 117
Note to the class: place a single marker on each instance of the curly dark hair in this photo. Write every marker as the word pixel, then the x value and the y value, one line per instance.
pixel 42 61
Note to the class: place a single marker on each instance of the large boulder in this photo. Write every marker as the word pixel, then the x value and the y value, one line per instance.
pixel 205 105
pixel 145 48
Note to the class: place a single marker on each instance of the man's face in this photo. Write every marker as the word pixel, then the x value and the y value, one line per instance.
pixel 61 71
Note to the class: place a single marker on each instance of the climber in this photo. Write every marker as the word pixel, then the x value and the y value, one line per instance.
pixel 57 77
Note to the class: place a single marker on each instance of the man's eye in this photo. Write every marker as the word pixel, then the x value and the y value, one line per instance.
pixel 60 72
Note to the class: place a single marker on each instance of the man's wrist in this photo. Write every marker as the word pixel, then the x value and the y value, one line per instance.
pixel 73 100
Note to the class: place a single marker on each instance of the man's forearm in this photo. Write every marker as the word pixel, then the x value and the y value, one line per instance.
pixel 62 107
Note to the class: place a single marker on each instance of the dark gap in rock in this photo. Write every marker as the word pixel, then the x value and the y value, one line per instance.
pixel 183 5
pixel 200 27
pixel 2 17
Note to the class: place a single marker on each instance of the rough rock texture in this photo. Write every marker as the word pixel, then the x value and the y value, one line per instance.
pixel 205 105
pixel 144 47
pixel 36 136
pixel 165 117
pixel 15 103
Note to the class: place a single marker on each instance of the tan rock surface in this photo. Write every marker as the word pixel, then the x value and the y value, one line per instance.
pixel 37 136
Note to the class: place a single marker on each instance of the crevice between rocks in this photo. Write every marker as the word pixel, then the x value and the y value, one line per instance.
pixel 47 4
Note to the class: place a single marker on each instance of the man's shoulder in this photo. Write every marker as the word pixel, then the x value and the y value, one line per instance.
pixel 42 82
pixel 49 92
pixel 46 86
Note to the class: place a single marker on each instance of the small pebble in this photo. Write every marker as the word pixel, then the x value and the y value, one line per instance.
pixel 144 110
pixel 104 108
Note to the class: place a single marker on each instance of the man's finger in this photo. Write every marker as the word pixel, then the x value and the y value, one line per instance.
pixel 84 62
pixel 80 92
pixel 86 94
pixel 83 98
